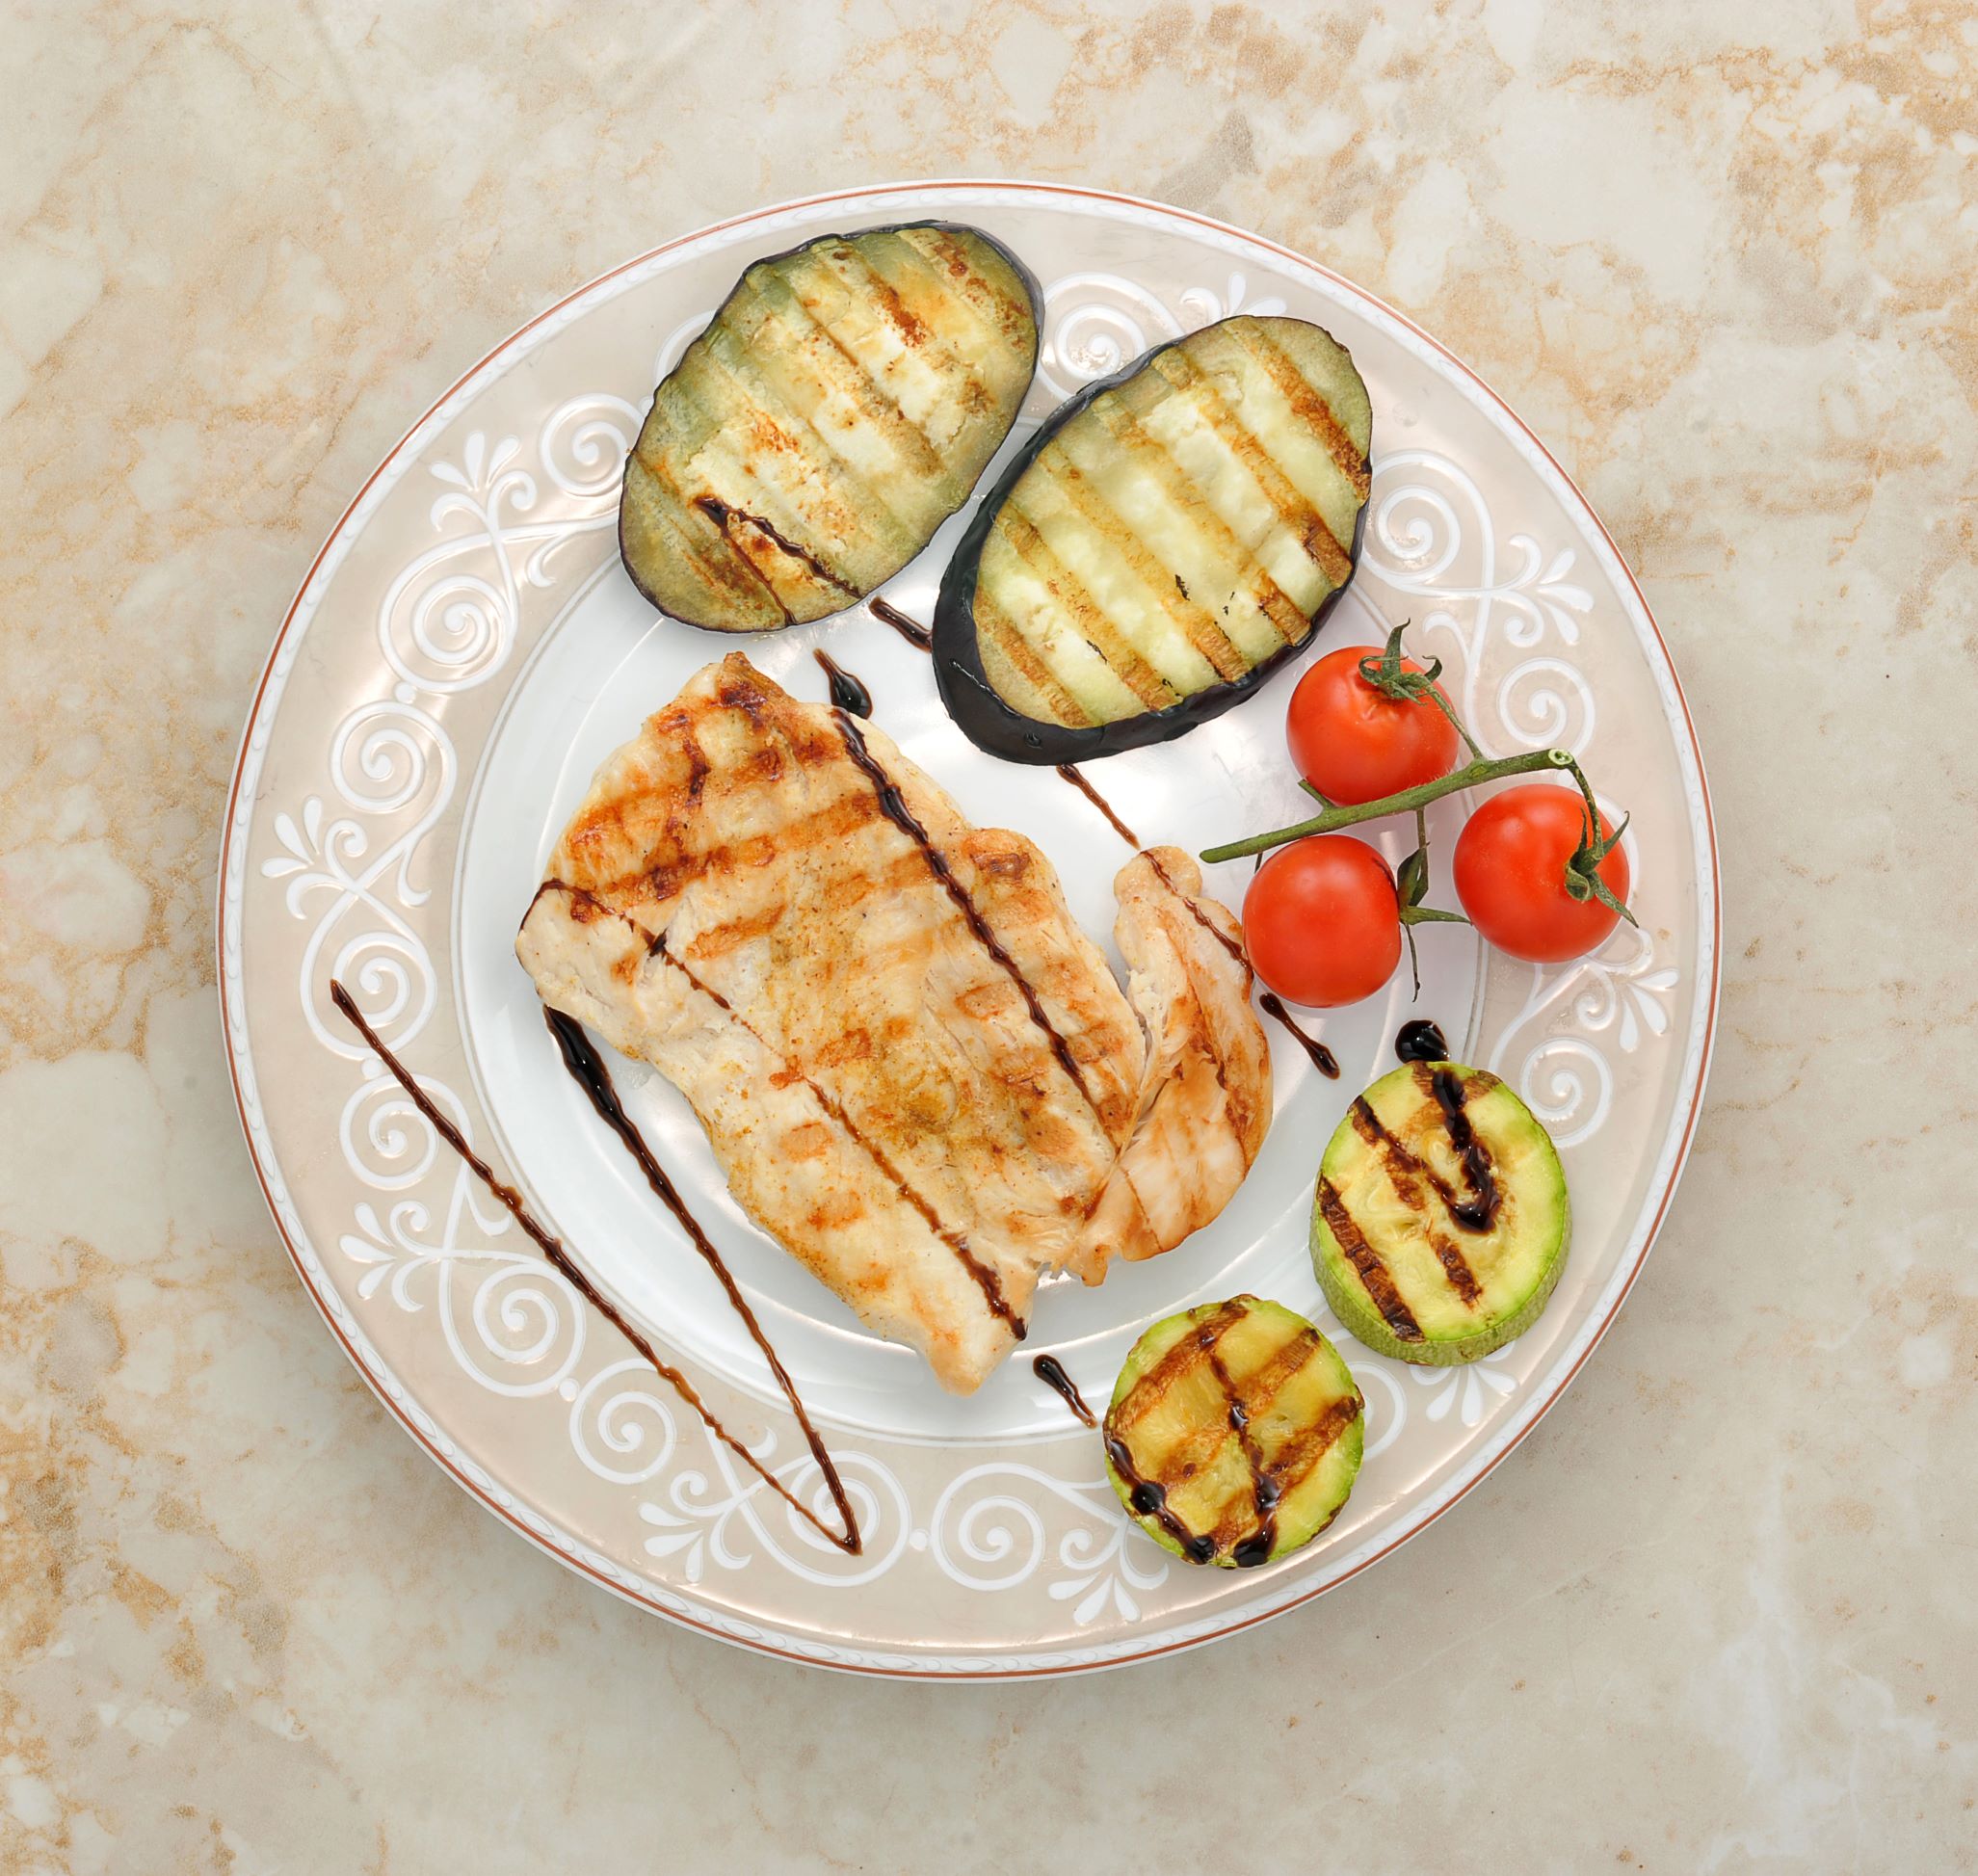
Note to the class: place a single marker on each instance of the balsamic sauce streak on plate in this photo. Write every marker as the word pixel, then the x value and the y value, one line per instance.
pixel 849 1540
pixel 1067 773
pixel 985 1277
pixel 1051 1372
pixel 893 806
pixel 1421 1041
pixel 1322 1058
pixel 911 630
pixel 848 693
pixel 588 1069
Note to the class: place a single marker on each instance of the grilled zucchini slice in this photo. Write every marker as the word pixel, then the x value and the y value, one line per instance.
pixel 840 406
pixel 1234 1433
pixel 1171 537
pixel 1441 1221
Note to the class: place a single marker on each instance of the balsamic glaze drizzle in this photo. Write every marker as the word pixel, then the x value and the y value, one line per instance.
pixel 849 1540
pixel 720 514
pixel 1051 1372
pixel 1479 1212
pixel 1150 1499
pixel 848 693
pixel 1067 773
pixel 588 1069
pixel 1421 1041
pixel 1322 1058
pixel 1254 1547
pixel 1196 912
pixel 910 629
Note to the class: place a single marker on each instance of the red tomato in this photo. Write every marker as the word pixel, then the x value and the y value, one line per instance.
pixel 1354 745
pixel 1321 921
pixel 1510 869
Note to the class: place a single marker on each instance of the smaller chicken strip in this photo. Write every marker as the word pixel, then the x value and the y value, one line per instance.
pixel 1205 1098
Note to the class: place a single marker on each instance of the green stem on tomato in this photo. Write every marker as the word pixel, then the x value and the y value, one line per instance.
pixel 1593 807
pixel 1456 723
pixel 1471 775
pixel 1384 675
pixel 1411 888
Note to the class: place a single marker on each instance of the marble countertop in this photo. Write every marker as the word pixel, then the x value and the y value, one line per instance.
pixel 1717 1613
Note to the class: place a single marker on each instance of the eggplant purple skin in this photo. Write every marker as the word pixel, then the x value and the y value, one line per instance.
pixel 1033 291
pixel 989 723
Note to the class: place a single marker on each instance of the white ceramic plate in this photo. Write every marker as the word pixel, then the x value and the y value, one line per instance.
pixel 464 652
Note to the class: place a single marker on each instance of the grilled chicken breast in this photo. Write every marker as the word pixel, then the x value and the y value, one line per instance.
pixel 917 1074
pixel 1205 1098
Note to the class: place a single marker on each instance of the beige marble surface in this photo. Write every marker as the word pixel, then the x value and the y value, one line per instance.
pixel 1717 1614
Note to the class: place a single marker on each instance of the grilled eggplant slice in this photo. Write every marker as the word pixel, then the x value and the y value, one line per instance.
pixel 1442 1222
pixel 841 405
pixel 1171 537
pixel 1234 1433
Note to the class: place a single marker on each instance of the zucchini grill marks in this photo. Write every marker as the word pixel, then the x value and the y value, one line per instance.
pixel 1168 538
pixel 1440 1222
pixel 1234 1435
pixel 839 406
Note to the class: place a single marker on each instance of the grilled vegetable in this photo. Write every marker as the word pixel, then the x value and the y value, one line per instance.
pixel 1442 1222
pixel 838 409
pixel 1234 1433
pixel 1166 541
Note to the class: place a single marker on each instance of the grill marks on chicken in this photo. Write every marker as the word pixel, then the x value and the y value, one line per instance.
pixel 916 1072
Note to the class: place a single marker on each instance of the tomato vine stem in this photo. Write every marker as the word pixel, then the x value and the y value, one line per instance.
pixel 1472 775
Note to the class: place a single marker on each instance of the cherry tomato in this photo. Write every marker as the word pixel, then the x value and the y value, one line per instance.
pixel 1510 870
pixel 1321 921
pixel 1354 745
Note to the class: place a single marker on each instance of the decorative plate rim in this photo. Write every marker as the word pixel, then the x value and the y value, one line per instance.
pixel 1697 1048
